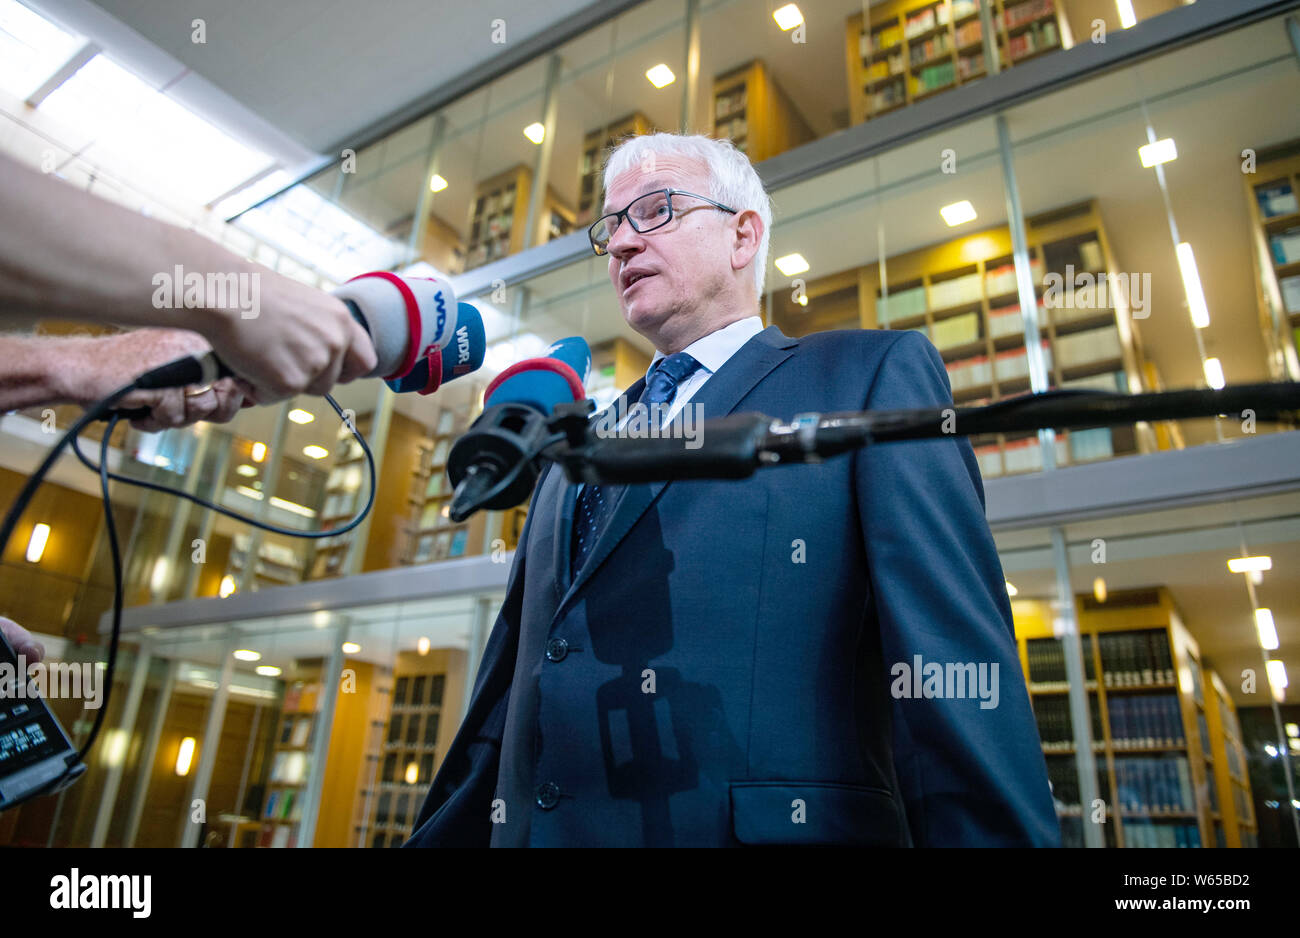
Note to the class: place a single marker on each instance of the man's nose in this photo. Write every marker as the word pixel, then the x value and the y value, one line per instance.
pixel 626 241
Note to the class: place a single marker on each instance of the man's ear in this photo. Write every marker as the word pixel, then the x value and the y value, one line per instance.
pixel 749 234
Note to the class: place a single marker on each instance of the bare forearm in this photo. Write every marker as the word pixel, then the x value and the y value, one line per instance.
pixel 30 375
pixel 65 254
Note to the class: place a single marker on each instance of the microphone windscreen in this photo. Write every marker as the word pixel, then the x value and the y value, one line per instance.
pixel 461 351
pixel 405 316
pixel 559 377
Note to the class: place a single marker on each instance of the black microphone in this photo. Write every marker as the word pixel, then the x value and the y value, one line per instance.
pixel 496 463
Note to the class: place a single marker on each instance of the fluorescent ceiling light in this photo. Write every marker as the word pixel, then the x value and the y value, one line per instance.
pixel 437 183
pixel 1162 151
pixel 1127 18
pixel 535 132
pixel 661 75
pixel 32 49
pixel 1244 564
pixel 958 213
pixel 788 17
pixel 1192 286
pixel 185 756
pixel 791 264
pixel 1277 677
pixel 244 654
pixel 36 543
pixel 129 123
pixel 315 452
pixel 1266 629
pixel 1214 373
pixel 298 415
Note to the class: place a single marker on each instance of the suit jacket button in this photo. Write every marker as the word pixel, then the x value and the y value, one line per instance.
pixel 556 649
pixel 548 795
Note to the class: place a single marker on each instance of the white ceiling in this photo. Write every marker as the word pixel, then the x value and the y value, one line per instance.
pixel 323 69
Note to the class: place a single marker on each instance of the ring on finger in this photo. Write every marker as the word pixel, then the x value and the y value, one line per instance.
pixel 196 392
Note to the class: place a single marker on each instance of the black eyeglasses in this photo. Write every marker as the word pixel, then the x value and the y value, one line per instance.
pixel 646 213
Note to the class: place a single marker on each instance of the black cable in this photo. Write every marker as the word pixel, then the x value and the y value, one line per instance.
pixel 104 410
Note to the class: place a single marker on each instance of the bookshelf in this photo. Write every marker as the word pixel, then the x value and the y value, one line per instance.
pixel 1158 747
pixel 343 498
pixel 409 754
pixel 290 762
pixel 1272 199
pixel 1236 825
pixel 962 295
pixel 277 564
pixel 912 49
pixel 595 145
pixel 430 533
pixel 751 110
pixel 499 216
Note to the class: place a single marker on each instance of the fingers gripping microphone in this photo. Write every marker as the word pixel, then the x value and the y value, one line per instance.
pixel 495 464
pixel 422 337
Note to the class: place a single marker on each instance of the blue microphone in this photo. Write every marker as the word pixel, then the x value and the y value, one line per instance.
pixel 495 464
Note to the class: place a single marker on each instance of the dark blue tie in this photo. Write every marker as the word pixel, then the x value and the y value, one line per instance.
pixel 596 502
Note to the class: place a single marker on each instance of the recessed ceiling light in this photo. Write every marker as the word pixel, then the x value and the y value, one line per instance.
pixel 268 670
pixel 351 648
pixel 422 645
pixel 227 586
pixel 245 654
pixel 298 415
pixel 36 543
pixel 788 17
pixel 1099 590
pixel 244 469
pixel 535 132
pixel 1245 564
pixel 315 452
pixel 259 452
pixel 1162 151
pixel 791 264
pixel 661 75
pixel 437 183
pixel 958 213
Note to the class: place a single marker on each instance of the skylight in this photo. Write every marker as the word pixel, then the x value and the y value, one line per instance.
pixel 31 49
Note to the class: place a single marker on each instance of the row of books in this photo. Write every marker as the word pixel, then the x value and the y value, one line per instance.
pixel 282 805
pixel 1055 729
pixel 1154 784
pixel 934 77
pixel 955 291
pixel 883 68
pixel 1025 12
pixel 296 731
pixel 936 45
pixel 1047 663
pixel 1285 246
pixel 968 65
pixel 1144 721
pixel 441 545
pixel 289 768
pixel 1005 366
pixel 730 101
pixel 956 330
pixel 1087 445
pixel 1148 835
pixel 1033 40
pixel 969 33
pixel 1026 455
pixel 398 721
pixel 887 38
pixel 928 18
pixel 278 836
pixel 1276 199
pixel 1113 381
pixel 1130 659
pixel 1290 293
pixel 1063 777
pixel 887 96
pixel 1002 278
pixel 733 129
pixel 1092 345
pixel 346 478
pixel 339 505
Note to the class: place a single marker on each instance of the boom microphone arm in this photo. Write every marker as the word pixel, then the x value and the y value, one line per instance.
pixel 734 447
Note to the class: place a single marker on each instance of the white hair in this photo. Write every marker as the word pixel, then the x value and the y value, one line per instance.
pixel 732 178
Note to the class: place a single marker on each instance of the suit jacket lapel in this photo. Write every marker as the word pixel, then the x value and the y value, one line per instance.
pixel 718 397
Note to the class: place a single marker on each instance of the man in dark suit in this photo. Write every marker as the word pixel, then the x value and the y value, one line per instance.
pixel 820 654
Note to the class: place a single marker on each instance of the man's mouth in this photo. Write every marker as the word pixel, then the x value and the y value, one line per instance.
pixel 632 279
